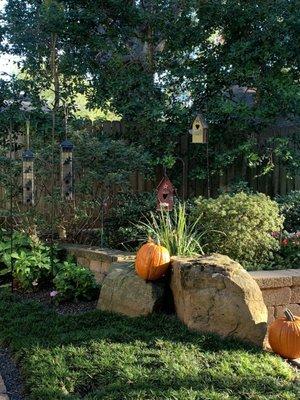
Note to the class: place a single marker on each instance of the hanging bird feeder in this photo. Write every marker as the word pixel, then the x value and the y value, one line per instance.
pixel 165 195
pixel 28 177
pixel 67 178
pixel 199 130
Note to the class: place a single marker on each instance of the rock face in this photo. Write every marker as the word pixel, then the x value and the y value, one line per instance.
pixel 215 294
pixel 123 292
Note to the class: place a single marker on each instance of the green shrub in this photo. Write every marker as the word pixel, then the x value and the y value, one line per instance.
pixel 128 208
pixel 30 258
pixel 74 282
pixel 290 208
pixel 240 226
pixel 289 253
pixel 174 230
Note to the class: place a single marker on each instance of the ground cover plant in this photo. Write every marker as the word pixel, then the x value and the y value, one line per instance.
pixel 109 357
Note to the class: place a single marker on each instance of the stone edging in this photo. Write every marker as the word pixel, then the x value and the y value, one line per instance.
pixel 3 392
pixel 280 290
pixel 96 259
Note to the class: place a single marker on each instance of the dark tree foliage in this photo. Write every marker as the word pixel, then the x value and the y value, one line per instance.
pixel 155 63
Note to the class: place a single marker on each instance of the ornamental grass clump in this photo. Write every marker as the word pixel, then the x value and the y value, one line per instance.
pixel 240 226
pixel 175 231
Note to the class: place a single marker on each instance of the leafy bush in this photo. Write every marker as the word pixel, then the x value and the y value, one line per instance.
pixel 240 226
pixel 290 209
pixel 289 254
pixel 30 258
pixel 74 282
pixel 33 267
pixel 174 230
pixel 128 208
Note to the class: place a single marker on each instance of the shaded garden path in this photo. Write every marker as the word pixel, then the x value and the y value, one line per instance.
pixel 11 377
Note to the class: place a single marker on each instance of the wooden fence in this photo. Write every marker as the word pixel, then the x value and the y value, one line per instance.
pixel 276 182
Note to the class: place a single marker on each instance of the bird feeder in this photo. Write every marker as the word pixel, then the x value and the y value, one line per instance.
pixel 199 130
pixel 165 195
pixel 67 189
pixel 28 178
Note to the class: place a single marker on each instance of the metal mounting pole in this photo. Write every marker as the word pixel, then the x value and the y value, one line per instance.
pixel 207 170
pixel 11 207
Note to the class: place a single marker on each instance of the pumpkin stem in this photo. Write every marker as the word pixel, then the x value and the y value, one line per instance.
pixel 289 315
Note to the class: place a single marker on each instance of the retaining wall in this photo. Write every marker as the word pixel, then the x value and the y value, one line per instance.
pixel 280 288
pixel 96 259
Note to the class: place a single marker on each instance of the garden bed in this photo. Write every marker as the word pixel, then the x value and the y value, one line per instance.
pixel 64 308
pixel 104 356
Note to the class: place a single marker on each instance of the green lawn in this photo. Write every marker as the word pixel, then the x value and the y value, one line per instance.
pixel 103 356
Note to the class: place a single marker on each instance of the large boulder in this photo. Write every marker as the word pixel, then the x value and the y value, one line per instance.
pixel 123 292
pixel 215 294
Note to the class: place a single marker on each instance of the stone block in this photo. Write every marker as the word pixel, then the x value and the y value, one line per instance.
pixel 105 266
pixel 295 297
pixel 215 294
pixel 277 296
pixel 95 265
pixel 295 273
pixel 98 253
pixel 271 314
pixel 279 310
pixel 272 279
pixel 83 261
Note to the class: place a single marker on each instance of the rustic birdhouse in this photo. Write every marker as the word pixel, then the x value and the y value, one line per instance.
pixel 28 178
pixel 199 130
pixel 67 178
pixel 165 195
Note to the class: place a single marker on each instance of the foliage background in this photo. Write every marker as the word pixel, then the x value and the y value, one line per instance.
pixel 153 64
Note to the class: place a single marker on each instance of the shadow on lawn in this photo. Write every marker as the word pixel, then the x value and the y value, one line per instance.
pixel 30 325
pixel 215 388
pixel 102 371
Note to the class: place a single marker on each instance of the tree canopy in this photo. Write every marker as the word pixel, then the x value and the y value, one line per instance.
pixel 156 63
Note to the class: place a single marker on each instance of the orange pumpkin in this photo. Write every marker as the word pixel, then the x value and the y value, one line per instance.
pixel 152 261
pixel 284 336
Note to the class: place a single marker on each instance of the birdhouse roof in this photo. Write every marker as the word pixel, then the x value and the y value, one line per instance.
pixel 165 181
pixel 28 155
pixel 200 118
pixel 67 145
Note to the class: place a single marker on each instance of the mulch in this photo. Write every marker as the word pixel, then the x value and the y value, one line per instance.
pixel 66 308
